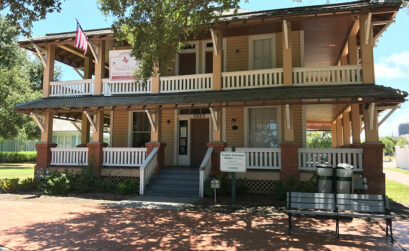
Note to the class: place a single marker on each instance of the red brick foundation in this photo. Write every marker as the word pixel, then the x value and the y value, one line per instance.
pixel 43 156
pixel 217 148
pixel 161 153
pixel 289 161
pixel 95 156
pixel 373 167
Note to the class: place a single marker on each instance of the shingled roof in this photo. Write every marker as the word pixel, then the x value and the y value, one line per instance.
pixel 259 94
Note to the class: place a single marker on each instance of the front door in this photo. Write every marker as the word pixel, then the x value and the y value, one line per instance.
pixel 199 140
pixel 187 63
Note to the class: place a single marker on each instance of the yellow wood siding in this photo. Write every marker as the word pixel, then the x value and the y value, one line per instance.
pixel 168 135
pixel 235 137
pixel 120 129
pixel 295 42
pixel 237 53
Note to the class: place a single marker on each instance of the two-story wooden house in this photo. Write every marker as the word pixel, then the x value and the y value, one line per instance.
pixel 257 81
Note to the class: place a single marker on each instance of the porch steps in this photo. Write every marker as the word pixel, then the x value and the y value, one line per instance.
pixel 174 181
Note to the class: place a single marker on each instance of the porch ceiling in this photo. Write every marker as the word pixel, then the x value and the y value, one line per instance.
pixel 338 94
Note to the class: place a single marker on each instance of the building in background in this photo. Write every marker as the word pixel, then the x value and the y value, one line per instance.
pixel 403 129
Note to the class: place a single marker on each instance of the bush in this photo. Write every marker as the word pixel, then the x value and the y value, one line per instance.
pixel 292 185
pixel 9 185
pixel 129 186
pixel 84 182
pixel 225 186
pixel 18 157
pixel 57 183
pixel 29 184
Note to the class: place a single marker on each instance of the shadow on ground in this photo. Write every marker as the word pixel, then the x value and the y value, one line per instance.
pixel 113 228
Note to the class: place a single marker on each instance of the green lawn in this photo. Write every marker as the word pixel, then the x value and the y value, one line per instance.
pixel 397 192
pixel 399 170
pixel 16 170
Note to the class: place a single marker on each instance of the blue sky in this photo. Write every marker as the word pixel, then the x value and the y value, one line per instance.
pixel 391 52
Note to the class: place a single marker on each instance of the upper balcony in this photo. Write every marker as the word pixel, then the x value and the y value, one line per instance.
pixel 311 46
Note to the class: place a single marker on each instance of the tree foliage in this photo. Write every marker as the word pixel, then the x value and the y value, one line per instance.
pixel 319 139
pixel 24 13
pixel 391 142
pixel 156 30
pixel 20 79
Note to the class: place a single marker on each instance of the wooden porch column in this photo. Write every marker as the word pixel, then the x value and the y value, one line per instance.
pixel 43 148
pixel 352 45
pixel 346 127
pixel 356 124
pixel 155 80
pixel 47 135
pixel 87 68
pixel 48 70
pixel 371 127
pixel 217 123
pixel 98 132
pixel 96 146
pixel 217 59
pixel 288 124
pixel 339 131
pixel 156 134
pixel 84 130
pixel 366 40
pixel 287 54
pixel 99 68
pixel 334 134
pixel 156 131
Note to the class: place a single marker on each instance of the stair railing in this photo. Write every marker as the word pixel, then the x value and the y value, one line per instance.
pixel 204 170
pixel 147 169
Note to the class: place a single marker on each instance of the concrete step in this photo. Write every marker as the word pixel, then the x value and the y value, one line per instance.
pixel 172 194
pixel 182 189
pixel 167 181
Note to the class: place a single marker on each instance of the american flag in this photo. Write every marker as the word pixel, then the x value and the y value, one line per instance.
pixel 81 40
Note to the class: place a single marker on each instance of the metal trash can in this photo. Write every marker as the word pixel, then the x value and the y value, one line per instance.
pixel 344 174
pixel 324 178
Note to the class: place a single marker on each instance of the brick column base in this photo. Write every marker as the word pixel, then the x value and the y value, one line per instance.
pixel 95 156
pixel 161 153
pixel 43 156
pixel 217 148
pixel 373 167
pixel 289 161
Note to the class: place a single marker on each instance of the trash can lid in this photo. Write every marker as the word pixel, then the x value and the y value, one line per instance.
pixel 324 165
pixel 344 166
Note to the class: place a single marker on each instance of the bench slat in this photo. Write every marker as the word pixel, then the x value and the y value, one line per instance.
pixel 313 200
pixel 313 206
pixel 361 208
pixel 364 215
pixel 360 202
pixel 360 196
pixel 311 195
pixel 318 213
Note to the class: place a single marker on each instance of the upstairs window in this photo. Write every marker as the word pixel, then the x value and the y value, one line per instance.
pixel 262 54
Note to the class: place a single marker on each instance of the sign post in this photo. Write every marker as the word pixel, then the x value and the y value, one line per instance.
pixel 233 162
pixel 215 184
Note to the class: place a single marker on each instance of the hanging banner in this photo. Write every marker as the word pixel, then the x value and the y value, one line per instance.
pixel 122 65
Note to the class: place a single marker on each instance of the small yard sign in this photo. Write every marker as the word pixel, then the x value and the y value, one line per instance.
pixel 215 184
pixel 233 162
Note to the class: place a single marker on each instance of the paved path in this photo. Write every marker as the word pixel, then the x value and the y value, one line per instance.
pixel 76 224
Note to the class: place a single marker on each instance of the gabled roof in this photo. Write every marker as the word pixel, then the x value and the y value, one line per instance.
pixel 377 92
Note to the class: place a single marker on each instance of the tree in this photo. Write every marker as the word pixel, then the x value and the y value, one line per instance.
pixel 16 73
pixel 156 30
pixel 389 143
pixel 24 13
pixel 319 140
pixel 401 141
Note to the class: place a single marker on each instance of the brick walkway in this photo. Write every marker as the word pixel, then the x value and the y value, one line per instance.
pixel 70 223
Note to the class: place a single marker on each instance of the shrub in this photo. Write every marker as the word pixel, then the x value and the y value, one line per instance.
pixel 57 183
pixel 9 185
pixel 29 184
pixel 84 182
pixel 292 185
pixel 18 157
pixel 225 186
pixel 129 186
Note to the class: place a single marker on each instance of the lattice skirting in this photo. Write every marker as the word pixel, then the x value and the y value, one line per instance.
pixel 119 179
pixel 255 186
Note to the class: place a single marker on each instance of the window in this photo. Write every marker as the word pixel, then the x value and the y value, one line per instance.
pixel 263 127
pixel 262 54
pixel 141 129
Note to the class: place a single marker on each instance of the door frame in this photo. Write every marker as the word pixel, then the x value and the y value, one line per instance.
pixel 187 117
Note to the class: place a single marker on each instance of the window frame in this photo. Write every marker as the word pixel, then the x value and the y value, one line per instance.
pixel 271 36
pixel 130 128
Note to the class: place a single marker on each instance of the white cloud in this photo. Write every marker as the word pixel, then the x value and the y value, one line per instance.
pixel 394 66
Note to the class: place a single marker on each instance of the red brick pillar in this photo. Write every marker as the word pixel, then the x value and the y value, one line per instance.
pixel 289 161
pixel 373 167
pixel 161 153
pixel 95 155
pixel 43 156
pixel 217 148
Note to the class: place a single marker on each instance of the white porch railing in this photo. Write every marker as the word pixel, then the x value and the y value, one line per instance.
pixel 347 74
pixel 186 83
pixel 130 157
pixel 308 159
pixel 252 79
pixel 72 88
pixel 126 87
pixel 69 156
pixel 148 169
pixel 261 158
pixel 204 170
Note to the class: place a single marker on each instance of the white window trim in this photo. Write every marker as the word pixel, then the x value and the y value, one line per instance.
pixel 246 123
pixel 195 50
pixel 273 48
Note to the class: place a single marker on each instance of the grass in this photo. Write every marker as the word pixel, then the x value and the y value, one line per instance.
pixel 397 192
pixel 398 170
pixel 16 170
